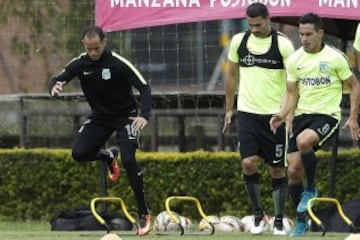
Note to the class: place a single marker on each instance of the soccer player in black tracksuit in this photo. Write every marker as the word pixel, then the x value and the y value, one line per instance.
pixel 106 80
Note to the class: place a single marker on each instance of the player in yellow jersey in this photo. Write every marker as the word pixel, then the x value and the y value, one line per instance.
pixel 315 76
pixel 256 66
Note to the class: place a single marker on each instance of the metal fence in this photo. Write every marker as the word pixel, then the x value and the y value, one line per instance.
pixel 180 122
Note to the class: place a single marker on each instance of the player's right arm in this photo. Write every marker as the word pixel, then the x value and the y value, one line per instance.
pixel 291 96
pixel 57 83
pixel 231 82
pixel 232 76
pixel 288 107
pixel 56 88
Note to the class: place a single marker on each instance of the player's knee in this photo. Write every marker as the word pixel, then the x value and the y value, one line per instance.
pixel 303 144
pixel 277 172
pixel 78 155
pixel 294 173
pixel 249 166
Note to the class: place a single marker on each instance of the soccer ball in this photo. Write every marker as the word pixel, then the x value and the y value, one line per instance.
pixel 234 223
pixel 288 224
pixel 224 227
pixel 186 223
pixel 163 222
pixel 205 226
pixel 248 222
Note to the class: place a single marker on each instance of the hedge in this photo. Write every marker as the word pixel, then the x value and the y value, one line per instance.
pixel 35 184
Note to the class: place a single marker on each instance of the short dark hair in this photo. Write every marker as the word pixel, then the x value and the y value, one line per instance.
pixel 257 9
pixel 311 18
pixel 91 31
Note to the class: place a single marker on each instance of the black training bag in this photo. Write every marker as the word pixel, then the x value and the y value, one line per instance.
pixel 332 221
pixel 83 219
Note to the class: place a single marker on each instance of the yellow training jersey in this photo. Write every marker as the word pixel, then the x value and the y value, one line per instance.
pixel 261 86
pixel 319 76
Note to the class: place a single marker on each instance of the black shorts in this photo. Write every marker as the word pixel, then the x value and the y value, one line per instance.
pixel 256 138
pixel 324 125
pixel 94 133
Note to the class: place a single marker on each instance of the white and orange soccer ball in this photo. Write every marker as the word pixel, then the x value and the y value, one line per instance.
pixel 205 226
pixel 223 224
pixel 186 223
pixel 233 222
pixel 163 222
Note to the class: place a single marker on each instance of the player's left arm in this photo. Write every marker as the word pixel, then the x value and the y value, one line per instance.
pixel 352 122
pixel 136 79
pixel 357 38
pixel 133 76
pixel 345 73
pixel 145 96
pixel 286 49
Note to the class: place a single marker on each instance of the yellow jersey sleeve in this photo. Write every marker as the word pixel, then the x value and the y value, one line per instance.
pixel 234 45
pixel 357 39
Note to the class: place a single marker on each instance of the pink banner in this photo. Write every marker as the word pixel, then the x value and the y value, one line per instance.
pixel 115 15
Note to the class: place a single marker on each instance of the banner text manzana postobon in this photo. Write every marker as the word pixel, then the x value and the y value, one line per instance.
pixel 190 3
pixel 115 15
pixel 224 3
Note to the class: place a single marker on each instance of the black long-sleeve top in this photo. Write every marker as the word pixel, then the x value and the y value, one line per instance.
pixel 107 85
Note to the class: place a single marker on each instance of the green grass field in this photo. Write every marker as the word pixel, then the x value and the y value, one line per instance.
pixel 41 231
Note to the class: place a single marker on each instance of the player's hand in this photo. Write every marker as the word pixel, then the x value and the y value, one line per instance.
pixel 353 126
pixel 227 119
pixel 275 122
pixel 57 88
pixel 138 122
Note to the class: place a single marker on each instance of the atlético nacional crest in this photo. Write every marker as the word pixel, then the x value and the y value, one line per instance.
pixel 323 67
pixel 106 74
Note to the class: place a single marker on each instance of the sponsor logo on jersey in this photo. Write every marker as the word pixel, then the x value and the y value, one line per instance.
pixel 316 81
pixel 250 60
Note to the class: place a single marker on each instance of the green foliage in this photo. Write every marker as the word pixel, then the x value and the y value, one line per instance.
pixel 37 183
